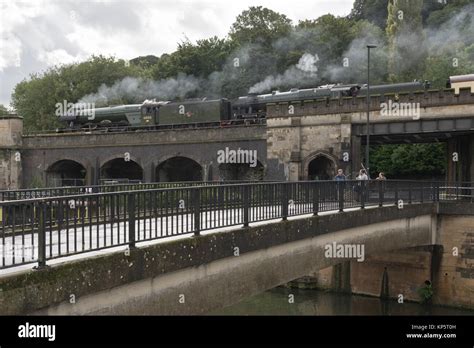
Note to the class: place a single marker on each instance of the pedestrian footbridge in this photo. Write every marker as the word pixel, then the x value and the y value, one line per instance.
pixel 190 250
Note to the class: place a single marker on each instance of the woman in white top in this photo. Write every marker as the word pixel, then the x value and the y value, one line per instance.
pixel 362 175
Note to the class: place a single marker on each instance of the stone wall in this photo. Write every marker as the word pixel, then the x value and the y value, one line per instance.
pixel 296 141
pixel 147 149
pixel 448 265
pixel 440 99
pixel 11 128
pixel 454 281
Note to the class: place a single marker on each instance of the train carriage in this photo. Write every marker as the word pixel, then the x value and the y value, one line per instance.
pixel 461 81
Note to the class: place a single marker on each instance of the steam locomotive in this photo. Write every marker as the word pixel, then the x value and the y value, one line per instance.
pixel 203 112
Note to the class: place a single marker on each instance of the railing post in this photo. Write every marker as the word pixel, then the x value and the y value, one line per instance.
pixel 196 197
pixel 380 184
pixel 396 192
pixel 60 215
pixel 315 197
pixel 409 192
pixel 340 192
pixel 112 207
pixel 41 235
pixel 131 220
pixel 220 196
pixel 246 204
pixel 438 189
pixel 471 192
pixel 362 194
pixel 422 193
pixel 284 201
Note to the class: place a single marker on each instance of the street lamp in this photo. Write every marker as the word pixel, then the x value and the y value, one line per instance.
pixel 368 111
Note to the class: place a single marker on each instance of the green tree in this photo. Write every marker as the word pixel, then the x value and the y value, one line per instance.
pixel 405 39
pixel 363 33
pixel 455 60
pixel 200 59
pixel 145 62
pixel 165 67
pixel 259 25
pixel 3 110
pixel 441 13
pixel 406 161
pixel 35 98
pixel 430 6
pixel 374 11
pixel 329 36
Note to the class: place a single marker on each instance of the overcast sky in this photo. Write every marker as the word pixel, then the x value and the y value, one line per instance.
pixel 36 34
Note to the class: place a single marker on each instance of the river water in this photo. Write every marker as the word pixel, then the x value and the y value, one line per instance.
pixel 284 301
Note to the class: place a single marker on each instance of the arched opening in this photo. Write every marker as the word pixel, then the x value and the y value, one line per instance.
pixel 66 173
pixel 177 169
pixel 119 170
pixel 241 172
pixel 321 168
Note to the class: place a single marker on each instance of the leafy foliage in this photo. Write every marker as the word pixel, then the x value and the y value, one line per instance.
pixel 259 25
pixel 374 11
pixel 35 99
pixel 426 293
pixel 3 110
pixel 404 32
pixel 408 160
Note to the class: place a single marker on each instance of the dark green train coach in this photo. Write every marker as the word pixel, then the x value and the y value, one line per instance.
pixel 187 112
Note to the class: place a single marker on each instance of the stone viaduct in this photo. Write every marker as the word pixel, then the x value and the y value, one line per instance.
pixel 308 143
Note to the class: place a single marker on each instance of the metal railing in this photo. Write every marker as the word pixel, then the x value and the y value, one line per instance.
pixel 41 229
pixel 12 195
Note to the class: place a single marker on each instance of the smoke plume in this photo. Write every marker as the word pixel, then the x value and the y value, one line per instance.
pixel 299 74
pixel 138 89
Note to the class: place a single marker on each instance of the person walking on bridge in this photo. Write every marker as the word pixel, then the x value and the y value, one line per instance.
pixel 340 178
pixel 358 187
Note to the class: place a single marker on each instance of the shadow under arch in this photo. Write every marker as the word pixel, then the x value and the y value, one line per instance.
pixel 118 169
pixel 320 166
pixel 241 171
pixel 66 172
pixel 179 168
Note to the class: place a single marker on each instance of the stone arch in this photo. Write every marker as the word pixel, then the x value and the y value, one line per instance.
pixel 66 172
pixel 168 156
pixel 179 168
pixel 118 169
pixel 320 165
pixel 119 155
pixel 241 171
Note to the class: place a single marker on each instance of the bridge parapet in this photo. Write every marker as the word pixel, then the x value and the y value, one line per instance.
pixel 426 99
pixel 204 265
pixel 160 137
pixel 79 223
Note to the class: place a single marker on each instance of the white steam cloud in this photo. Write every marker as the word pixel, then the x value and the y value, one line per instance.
pixel 301 73
pixel 139 89
pixel 445 40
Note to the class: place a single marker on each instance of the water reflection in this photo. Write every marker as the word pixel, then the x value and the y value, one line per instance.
pixel 313 302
